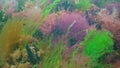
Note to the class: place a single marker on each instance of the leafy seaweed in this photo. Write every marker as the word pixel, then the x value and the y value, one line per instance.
pixel 97 44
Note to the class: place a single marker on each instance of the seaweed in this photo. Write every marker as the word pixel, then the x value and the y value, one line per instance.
pixel 48 8
pixel 83 4
pixel 65 5
pixel 97 44
pixel 72 5
pixel 54 59
pixel 9 37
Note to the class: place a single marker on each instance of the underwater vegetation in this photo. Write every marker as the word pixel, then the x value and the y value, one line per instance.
pixel 83 4
pixel 65 5
pixel 72 5
pixel 48 8
pixel 10 36
pixel 58 25
pixel 59 33
pixel 110 21
pixel 76 22
pixel 99 41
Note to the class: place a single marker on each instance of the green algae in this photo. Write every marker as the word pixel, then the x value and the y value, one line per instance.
pixel 97 44
pixel 83 4
pixel 48 8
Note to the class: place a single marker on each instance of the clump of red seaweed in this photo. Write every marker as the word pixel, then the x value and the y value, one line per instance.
pixel 61 21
